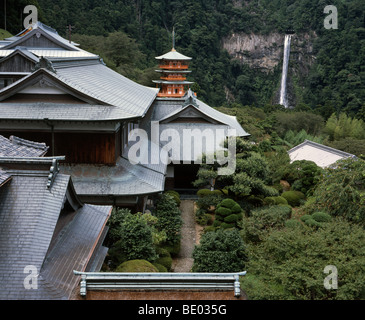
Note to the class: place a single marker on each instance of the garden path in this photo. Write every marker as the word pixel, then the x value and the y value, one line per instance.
pixel 190 236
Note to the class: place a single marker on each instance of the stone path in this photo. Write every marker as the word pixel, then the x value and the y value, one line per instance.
pixel 184 262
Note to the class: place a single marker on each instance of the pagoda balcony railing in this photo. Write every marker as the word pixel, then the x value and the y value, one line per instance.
pixel 171 95
pixel 173 78
pixel 172 67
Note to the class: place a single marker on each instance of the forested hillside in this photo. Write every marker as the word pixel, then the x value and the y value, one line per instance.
pixel 333 83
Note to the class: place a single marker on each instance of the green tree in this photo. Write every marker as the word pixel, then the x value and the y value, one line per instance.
pixel 133 236
pixel 341 191
pixel 251 176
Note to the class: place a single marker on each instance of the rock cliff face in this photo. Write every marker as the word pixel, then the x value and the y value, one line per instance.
pixel 265 53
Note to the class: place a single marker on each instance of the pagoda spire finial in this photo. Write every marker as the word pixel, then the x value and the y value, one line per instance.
pixel 173 39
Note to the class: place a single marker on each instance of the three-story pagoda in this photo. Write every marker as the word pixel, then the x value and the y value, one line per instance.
pixel 173 67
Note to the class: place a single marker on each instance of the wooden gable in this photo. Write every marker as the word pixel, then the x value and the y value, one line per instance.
pixel 17 62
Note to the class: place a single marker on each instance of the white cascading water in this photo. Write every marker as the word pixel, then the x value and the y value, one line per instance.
pixel 283 95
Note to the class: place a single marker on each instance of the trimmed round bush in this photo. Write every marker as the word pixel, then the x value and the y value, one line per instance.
pixel 293 197
pixel 137 266
pixel 222 211
pixel 321 217
pixel 160 267
pixel 280 200
pixel 236 208
pixel 312 223
pixel 233 218
pixel 225 225
pixel 228 203
pixel 208 192
pixel 229 212
pixel 306 217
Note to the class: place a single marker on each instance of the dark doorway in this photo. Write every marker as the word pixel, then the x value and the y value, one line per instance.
pixel 185 174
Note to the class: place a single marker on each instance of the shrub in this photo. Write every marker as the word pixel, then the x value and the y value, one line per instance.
pixel 208 192
pixel 341 191
pixel 174 250
pixel 321 217
pixel 263 220
pixel 217 223
pixel 160 267
pixel 209 229
pixel 137 266
pixel 280 200
pixel 292 223
pixel 208 201
pixel 303 252
pixel 226 225
pixel 220 251
pixel 165 261
pixel 203 218
pixel 269 201
pixel 305 217
pixel 169 218
pixel 223 212
pixel 275 200
pixel 162 252
pixel 312 223
pixel 230 212
pixel 135 241
pixel 228 203
pixel 175 195
pixel 293 197
pixel 233 218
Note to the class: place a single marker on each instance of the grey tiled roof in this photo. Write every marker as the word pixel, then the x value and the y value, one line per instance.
pixel 120 180
pixel 43 30
pixel 59 111
pixel 164 109
pixel 4 177
pixel 173 55
pixel 51 54
pixel 17 147
pixel 110 87
pixel 29 213
pixel 28 216
pixel 95 81
pixel 73 248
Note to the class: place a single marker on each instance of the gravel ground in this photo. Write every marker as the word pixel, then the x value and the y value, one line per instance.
pixel 190 236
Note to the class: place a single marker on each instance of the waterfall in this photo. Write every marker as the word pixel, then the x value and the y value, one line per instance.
pixel 283 94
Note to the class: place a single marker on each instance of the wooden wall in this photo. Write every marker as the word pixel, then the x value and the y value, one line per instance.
pixel 79 148
pixel 17 63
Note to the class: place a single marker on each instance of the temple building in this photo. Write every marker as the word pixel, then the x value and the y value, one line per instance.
pixel 57 194
pixel 53 91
